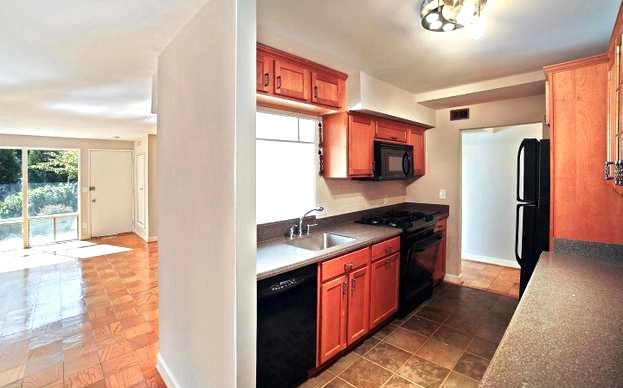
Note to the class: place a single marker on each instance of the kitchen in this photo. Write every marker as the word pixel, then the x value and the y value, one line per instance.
pixel 215 346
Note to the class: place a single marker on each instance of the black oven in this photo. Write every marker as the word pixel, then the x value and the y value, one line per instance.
pixel 418 255
pixel 392 161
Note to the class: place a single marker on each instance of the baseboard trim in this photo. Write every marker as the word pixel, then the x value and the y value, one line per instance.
pixel 454 279
pixel 491 260
pixel 140 235
pixel 152 239
pixel 165 373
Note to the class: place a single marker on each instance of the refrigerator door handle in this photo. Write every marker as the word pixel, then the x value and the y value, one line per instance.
pixel 517 234
pixel 519 206
pixel 521 147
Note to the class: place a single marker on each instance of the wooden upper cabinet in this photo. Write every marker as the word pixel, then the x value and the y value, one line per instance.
pixel 333 317
pixel 348 143
pixel 391 130
pixel 358 304
pixel 360 146
pixel 327 89
pixel 280 74
pixel 384 286
pixel 417 140
pixel 292 80
pixel 264 73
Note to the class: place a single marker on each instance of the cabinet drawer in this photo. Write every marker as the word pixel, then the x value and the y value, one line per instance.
pixel 343 264
pixel 385 248
pixel 391 131
pixel 440 226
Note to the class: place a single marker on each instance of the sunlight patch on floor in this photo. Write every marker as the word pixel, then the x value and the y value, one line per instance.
pixel 63 246
pixel 93 251
pixel 33 261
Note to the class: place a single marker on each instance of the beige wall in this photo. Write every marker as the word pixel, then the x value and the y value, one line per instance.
pixel 443 159
pixel 206 189
pixel 147 145
pixel 152 177
pixel 340 196
pixel 84 145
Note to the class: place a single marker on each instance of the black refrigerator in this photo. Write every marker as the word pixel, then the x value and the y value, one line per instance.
pixel 532 220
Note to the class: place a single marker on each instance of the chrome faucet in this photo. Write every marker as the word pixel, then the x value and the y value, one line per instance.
pixel 318 209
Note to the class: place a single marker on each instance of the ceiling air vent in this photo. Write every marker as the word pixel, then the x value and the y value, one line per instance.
pixel 459 114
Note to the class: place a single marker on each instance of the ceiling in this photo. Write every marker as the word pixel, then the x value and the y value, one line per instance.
pixel 385 38
pixel 84 68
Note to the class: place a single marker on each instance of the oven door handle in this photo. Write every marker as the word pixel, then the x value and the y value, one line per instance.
pixel 428 242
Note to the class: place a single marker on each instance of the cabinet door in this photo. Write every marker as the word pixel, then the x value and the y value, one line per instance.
pixel 264 73
pixel 291 80
pixel 416 139
pixel 392 131
pixel 327 89
pixel 359 304
pixel 360 146
pixel 384 288
pixel 333 318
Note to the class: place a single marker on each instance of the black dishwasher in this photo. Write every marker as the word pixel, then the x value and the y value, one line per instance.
pixel 286 328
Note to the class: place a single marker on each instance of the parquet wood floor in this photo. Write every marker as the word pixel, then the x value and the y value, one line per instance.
pixel 89 323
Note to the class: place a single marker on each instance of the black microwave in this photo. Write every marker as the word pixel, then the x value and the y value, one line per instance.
pixel 392 161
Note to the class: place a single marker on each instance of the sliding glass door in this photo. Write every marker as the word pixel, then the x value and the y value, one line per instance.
pixel 49 181
pixel 11 199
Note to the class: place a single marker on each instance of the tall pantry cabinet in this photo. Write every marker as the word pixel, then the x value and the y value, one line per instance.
pixel 583 205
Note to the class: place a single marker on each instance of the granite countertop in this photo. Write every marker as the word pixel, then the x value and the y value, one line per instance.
pixel 275 256
pixel 567 330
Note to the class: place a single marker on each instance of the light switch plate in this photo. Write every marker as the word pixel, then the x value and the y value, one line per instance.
pixel 442 194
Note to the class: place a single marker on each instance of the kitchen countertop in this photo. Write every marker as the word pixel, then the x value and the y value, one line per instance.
pixel 275 256
pixel 567 330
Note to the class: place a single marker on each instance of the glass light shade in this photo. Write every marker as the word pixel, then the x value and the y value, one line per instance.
pixel 448 27
pixel 435 25
pixel 467 13
pixel 477 28
pixel 432 17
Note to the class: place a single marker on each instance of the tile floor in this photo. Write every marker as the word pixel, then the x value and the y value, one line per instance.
pixel 492 278
pixel 83 323
pixel 446 342
pixel 93 324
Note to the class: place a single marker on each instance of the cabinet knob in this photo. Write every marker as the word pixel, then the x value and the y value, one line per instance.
pixel 348 267
pixel 316 92
pixel 266 79
pixel 352 286
pixel 344 288
pixel 388 250
pixel 278 79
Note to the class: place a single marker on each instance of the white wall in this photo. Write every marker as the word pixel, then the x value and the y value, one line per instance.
pixel 147 145
pixel 488 179
pixel 84 145
pixel 443 159
pixel 206 188
pixel 368 94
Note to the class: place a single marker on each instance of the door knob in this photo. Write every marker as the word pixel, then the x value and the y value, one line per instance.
pixel 93 200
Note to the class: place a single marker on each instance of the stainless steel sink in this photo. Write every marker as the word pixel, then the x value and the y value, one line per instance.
pixel 320 241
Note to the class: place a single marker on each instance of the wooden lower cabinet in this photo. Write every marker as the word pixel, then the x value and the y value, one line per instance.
pixel 440 264
pixel 333 317
pixel 355 295
pixel 384 281
pixel 359 304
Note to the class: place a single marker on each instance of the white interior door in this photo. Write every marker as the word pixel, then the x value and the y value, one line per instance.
pixel 140 190
pixel 111 192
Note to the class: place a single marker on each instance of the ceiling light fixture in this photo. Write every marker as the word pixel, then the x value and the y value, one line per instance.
pixel 450 15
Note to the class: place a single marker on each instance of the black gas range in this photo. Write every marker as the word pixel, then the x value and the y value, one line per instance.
pixel 419 246
pixel 408 221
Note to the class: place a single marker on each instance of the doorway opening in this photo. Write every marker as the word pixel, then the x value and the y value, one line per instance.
pixel 488 188
pixel 39 197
